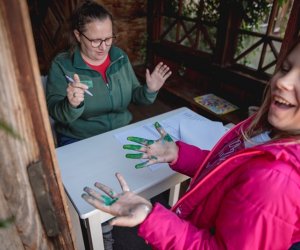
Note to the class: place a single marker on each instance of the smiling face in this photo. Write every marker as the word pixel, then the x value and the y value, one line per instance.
pixel 284 111
pixel 94 30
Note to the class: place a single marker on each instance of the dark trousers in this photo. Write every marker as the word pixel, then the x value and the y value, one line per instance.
pixel 63 140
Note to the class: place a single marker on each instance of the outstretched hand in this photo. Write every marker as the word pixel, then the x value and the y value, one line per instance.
pixel 129 208
pixel 162 150
pixel 157 78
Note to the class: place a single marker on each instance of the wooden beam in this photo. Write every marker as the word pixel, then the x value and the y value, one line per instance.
pixel 24 108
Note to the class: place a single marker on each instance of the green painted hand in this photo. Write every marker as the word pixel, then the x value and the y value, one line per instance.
pixel 162 150
pixel 128 208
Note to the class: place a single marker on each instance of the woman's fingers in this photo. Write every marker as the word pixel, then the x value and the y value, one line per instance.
pixel 152 160
pixel 136 156
pixel 139 140
pixel 164 135
pixel 123 221
pixel 134 147
pixel 109 191
pixel 96 203
pixel 122 182
pixel 92 193
pixel 141 165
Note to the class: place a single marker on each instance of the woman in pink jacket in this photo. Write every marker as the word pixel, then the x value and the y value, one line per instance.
pixel 244 193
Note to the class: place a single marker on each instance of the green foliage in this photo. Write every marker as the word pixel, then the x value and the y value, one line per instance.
pixel 255 12
pixel 211 11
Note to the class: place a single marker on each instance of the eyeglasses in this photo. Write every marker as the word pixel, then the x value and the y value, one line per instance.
pixel 98 42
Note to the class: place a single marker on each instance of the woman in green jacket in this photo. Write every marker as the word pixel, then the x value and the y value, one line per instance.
pixel 90 87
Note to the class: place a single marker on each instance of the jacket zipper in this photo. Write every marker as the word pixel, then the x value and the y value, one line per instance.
pixel 109 90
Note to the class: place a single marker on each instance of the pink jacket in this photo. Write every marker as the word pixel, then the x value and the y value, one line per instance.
pixel 247 200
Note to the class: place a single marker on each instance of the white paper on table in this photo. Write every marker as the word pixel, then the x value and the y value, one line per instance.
pixel 203 134
pixel 173 126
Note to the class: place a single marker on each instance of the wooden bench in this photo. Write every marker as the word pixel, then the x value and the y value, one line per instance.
pixel 178 91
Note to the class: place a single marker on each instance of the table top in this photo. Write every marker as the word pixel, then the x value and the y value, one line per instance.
pixel 98 159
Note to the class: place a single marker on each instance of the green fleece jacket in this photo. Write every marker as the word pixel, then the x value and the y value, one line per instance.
pixel 107 108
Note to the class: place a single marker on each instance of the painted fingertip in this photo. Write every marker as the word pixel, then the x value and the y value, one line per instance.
pixel 157 125
pixel 140 165
pixel 86 189
pixel 132 147
pixel 150 142
pixel 168 138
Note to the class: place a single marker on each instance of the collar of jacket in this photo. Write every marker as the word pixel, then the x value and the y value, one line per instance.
pixel 115 54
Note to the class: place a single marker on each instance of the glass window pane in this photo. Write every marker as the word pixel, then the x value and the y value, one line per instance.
pixel 244 43
pixel 189 31
pixel 186 34
pixel 171 35
pixel 270 57
pixel 207 44
pixel 251 60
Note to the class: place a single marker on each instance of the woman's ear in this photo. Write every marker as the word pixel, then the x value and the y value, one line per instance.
pixel 77 35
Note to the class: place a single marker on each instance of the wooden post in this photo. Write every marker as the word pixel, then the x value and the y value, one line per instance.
pixel 23 108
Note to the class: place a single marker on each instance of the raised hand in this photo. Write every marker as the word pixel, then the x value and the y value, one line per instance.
pixel 129 208
pixel 162 150
pixel 157 78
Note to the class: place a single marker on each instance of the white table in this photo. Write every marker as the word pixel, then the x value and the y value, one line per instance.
pixel 98 159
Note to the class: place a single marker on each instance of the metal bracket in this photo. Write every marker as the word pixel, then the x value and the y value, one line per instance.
pixel 43 199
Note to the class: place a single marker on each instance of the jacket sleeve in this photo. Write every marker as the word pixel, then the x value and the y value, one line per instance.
pixel 189 159
pixel 164 230
pixel 140 94
pixel 57 102
pixel 262 208
pixel 260 211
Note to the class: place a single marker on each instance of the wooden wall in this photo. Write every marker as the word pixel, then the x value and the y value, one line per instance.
pixel 50 27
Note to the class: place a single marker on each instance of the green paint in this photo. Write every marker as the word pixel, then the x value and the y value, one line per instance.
pixel 168 138
pixel 141 165
pixel 107 200
pixel 152 157
pixel 140 140
pixel 134 156
pixel 157 125
pixel 132 147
